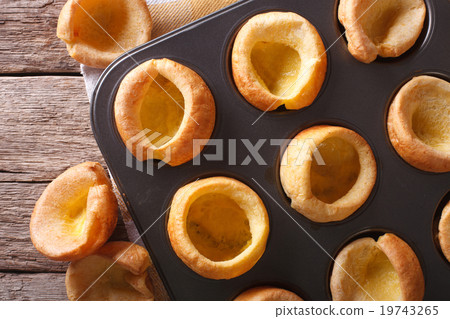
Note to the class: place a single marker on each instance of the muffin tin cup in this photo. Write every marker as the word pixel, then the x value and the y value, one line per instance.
pixel 354 95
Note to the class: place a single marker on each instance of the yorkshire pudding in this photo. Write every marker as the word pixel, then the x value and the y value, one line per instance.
pixel 75 215
pixel 419 121
pixel 218 227
pixel 96 32
pixel 328 172
pixel 279 59
pixel 444 231
pixel 267 293
pixel 117 271
pixel 387 28
pixel 161 108
pixel 383 270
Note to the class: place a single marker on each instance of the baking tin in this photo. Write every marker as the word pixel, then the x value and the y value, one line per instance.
pixel 404 201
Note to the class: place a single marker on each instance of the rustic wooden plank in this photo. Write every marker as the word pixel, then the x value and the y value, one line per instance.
pixel 45 127
pixel 17 251
pixel 28 42
pixel 39 287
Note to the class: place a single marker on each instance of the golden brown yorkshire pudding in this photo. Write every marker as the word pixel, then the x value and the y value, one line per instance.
pixel 96 32
pixel 387 28
pixel 161 108
pixel 117 271
pixel 383 270
pixel 419 121
pixel 75 215
pixel 266 293
pixel 444 231
pixel 218 227
pixel 279 59
pixel 328 172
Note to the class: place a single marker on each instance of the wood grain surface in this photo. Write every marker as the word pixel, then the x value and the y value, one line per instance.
pixel 44 129
pixel 28 42
pixel 29 286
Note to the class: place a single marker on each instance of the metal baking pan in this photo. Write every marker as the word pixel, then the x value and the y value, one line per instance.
pixel 404 201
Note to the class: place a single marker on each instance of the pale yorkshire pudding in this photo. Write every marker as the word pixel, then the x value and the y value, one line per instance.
pixel 266 293
pixel 328 172
pixel 383 270
pixel 75 215
pixel 444 231
pixel 96 32
pixel 387 28
pixel 279 59
pixel 117 271
pixel 218 227
pixel 161 108
pixel 419 121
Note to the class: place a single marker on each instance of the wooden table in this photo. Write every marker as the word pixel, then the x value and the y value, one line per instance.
pixel 44 129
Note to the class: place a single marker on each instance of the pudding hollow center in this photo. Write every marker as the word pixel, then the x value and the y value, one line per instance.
pixel 336 178
pixel 383 20
pixel 162 110
pixel 74 215
pixel 430 120
pixel 381 280
pixel 218 227
pixel 277 65
pixel 112 16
